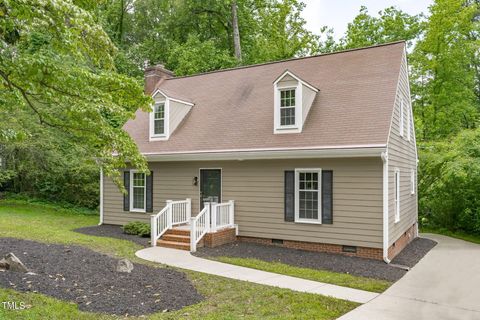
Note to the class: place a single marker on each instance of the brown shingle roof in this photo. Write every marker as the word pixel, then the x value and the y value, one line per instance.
pixel 234 108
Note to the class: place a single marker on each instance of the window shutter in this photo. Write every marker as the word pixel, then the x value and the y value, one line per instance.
pixel 126 197
pixel 327 197
pixel 149 191
pixel 289 195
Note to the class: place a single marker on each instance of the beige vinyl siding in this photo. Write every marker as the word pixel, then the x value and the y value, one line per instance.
pixel 307 100
pixel 178 111
pixel 257 186
pixel 402 155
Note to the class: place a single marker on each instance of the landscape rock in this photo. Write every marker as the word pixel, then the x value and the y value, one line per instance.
pixel 3 265
pixel 13 263
pixel 124 265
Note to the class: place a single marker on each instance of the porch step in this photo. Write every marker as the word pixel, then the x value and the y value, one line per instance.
pixel 176 238
pixel 173 244
pixel 178 232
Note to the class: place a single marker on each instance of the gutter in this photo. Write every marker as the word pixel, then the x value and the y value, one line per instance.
pixel 256 154
pixel 384 156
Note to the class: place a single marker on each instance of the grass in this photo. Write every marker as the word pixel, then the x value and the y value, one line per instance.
pixel 340 279
pixel 224 298
pixel 454 234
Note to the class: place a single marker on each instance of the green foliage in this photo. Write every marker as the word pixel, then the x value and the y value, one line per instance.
pixel 446 70
pixel 57 69
pixel 391 25
pixel 195 56
pixel 449 183
pixel 141 229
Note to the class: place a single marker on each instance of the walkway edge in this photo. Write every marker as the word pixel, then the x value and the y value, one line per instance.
pixel 184 260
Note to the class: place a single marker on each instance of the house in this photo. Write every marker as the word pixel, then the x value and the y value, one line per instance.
pixel 316 153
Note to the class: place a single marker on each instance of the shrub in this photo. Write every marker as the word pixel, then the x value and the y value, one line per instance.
pixel 137 228
pixel 449 183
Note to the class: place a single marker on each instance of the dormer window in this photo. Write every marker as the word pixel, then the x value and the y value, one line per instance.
pixel 167 113
pixel 293 98
pixel 159 119
pixel 287 107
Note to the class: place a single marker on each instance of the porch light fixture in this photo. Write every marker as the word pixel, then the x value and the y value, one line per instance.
pixel 195 181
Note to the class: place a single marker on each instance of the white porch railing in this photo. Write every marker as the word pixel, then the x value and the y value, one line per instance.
pixel 199 226
pixel 222 215
pixel 175 212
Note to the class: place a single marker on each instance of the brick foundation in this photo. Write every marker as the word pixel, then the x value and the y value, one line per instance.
pixel 220 237
pixel 402 242
pixel 364 252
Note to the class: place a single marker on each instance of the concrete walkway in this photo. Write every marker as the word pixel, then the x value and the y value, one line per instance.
pixel 445 284
pixel 183 259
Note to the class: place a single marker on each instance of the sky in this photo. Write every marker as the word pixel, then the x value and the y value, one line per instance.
pixel 338 13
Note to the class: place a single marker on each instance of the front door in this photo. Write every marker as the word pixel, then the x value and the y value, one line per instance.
pixel 210 186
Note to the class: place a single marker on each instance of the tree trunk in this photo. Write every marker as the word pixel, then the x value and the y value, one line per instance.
pixel 236 32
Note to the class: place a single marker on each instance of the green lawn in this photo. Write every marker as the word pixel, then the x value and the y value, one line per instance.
pixel 340 279
pixel 454 234
pixel 225 298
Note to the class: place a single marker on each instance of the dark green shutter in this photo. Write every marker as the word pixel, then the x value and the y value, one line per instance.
pixel 289 195
pixel 149 191
pixel 126 197
pixel 327 197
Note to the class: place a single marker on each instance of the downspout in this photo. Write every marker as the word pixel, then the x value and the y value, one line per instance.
pixel 101 196
pixel 385 206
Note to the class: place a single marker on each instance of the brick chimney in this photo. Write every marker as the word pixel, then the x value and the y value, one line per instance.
pixel 153 75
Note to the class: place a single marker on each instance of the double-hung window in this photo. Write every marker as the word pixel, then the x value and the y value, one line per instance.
pixel 287 107
pixel 397 195
pixel 308 195
pixel 159 119
pixel 137 191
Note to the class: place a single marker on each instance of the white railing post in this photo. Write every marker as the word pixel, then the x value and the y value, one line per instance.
pixel 231 209
pixel 213 212
pixel 207 219
pixel 153 230
pixel 189 209
pixel 169 214
pixel 193 231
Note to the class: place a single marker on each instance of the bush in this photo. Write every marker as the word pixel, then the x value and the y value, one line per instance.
pixel 449 183
pixel 137 228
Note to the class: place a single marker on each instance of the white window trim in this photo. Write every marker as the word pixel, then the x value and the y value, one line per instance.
pixel 396 181
pixel 166 134
pixel 412 181
pixel 401 124
pixel 298 112
pixel 132 209
pixel 409 125
pixel 297 196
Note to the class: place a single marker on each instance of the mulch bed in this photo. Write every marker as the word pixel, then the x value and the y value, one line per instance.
pixel 111 231
pixel 325 261
pixel 89 279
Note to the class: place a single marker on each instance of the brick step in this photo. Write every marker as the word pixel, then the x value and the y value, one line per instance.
pixel 176 238
pixel 173 245
pixel 178 232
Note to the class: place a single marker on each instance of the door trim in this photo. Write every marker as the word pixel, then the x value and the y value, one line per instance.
pixel 200 184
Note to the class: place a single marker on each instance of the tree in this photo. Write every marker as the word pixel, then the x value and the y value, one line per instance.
pixel 391 25
pixel 445 68
pixel 56 68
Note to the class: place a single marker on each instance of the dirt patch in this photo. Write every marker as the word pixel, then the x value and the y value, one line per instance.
pixel 89 279
pixel 320 260
pixel 111 231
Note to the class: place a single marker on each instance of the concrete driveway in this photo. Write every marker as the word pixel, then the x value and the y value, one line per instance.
pixel 445 284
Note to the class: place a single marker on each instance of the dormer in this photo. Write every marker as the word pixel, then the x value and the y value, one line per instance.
pixel 293 98
pixel 167 113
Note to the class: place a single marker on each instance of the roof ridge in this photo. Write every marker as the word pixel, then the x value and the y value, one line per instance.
pixel 287 60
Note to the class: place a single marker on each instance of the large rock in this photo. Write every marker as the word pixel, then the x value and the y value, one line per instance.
pixel 12 263
pixel 124 265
